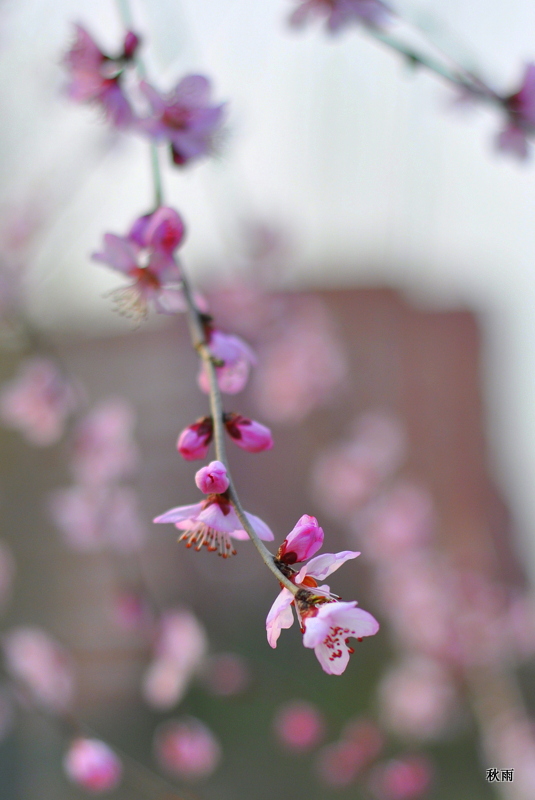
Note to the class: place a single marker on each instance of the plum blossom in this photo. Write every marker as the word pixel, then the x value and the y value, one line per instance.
pixel 186 118
pixel 341 762
pixel 96 78
pixel 299 726
pixel 212 523
pixel 146 254
pixel 93 765
pixel 302 542
pixel 227 674
pixel 520 108
pixel 329 630
pixel 406 778
pixel 248 434
pixel 194 441
pixel 187 748
pixel 38 401
pixel 235 357
pixel 339 13
pixel 212 479
pixel 41 665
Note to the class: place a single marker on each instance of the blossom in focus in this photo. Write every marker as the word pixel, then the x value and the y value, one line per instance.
pixel 236 359
pixel 405 778
pixel 38 401
pixel 194 441
pixel 186 748
pixel 212 523
pixel 95 77
pixel 339 13
pixel 185 118
pixel 146 255
pixel 41 666
pixel 248 434
pixel 104 449
pixel 302 542
pixel 92 765
pixel 227 674
pixel 520 108
pixel 179 650
pixel 212 479
pixel 329 629
pixel 299 726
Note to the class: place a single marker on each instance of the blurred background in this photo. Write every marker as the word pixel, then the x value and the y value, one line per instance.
pixel 360 229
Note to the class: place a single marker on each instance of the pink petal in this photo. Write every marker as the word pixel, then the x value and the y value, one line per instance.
pixel 180 514
pixel 280 616
pixel 324 565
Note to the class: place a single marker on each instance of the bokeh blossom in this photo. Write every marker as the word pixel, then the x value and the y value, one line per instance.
pixel 299 726
pixel 97 78
pixel 227 674
pixel 146 255
pixel 92 765
pixel 339 13
pixel 38 401
pixel 341 762
pixel 404 778
pixel 186 118
pixel 235 359
pixel 186 748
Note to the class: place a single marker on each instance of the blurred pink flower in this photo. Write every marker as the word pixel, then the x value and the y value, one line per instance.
pixel 417 699
pixel 339 13
pixel 38 401
pixel 520 108
pixel 227 674
pixel 340 763
pixel 212 523
pixel 236 357
pixel 328 632
pixel 92 765
pixel 366 738
pixel 41 665
pixel 299 726
pixel 95 77
pixel 145 254
pixel 213 478
pixel 194 441
pixel 104 449
pixel 404 778
pixel 187 748
pixel 7 573
pixel 130 611
pixel 248 434
pixel 179 650
pixel 93 518
pixel 302 542
pixel 185 118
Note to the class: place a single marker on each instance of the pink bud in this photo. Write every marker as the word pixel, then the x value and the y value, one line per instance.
pixel 299 726
pixel 213 478
pixel 93 765
pixel 248 434
pixel 131 43
pixel 304 540
pixel 194 441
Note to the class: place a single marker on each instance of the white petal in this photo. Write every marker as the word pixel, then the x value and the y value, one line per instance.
pixel 280 616
pixel 322 566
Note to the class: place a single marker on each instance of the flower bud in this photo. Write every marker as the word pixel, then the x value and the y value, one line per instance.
pixel 212 479
pixel 304 540
pixel 248 434
pixel 92 765
pixel 194 441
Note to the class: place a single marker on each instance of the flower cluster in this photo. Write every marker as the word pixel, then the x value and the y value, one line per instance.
pixel 185 118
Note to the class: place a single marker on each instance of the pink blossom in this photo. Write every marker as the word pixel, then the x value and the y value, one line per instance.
pixel 187 748
pixel 93 518
pixel 38 401
pixel 146 256
pixel 520 108
pixel 227 674
pixel 185 118
pixel 212 523
pixel 339 13
pixel 7 573
pixel 130 611
pixel 302 542
pixel 179 650
pixel 212 479
pixel 194 441
pixel 104 449
pixel 93 765
pixel 248 434
pixel 95 77
pixel 41 665
pixel 329 629
pixel 236 359
pixel 299 726
pixel 406 778
pixel 339 763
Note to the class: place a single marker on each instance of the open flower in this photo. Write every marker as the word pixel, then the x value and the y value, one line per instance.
pixel 146 256
pixel 329 629
pixel 235 357
pixel 95 77
pixel 339 13
pixel 212 523
pixel 185 118
pixel 520 108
